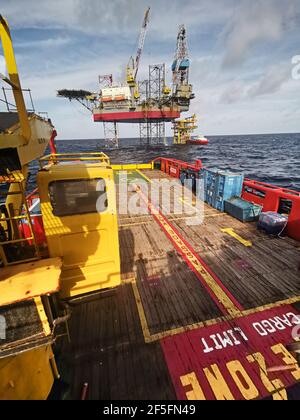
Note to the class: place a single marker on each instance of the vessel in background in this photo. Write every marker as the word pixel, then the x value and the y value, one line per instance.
pixel 198 140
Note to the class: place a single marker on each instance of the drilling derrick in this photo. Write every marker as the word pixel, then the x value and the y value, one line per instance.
pixel 182 90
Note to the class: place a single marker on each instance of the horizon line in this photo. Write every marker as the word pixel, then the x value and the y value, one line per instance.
pixel 207 135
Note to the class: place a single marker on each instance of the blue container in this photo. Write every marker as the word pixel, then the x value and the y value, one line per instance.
pixel 242 209
pixel 184 64
pixel 220 186
pixel 272 223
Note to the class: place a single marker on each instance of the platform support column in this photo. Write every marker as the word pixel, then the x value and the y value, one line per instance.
pixel 111 134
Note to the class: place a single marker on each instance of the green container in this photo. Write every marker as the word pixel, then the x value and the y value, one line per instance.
pixel 242 209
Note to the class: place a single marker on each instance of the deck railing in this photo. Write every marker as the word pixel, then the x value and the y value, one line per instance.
pixel 74 157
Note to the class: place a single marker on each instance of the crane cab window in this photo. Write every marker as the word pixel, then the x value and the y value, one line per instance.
pixel 78 196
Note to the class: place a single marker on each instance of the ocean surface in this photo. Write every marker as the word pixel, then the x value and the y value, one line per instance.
pixel 272 158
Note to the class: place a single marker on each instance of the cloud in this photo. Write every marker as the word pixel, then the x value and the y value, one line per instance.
pixel 44 43
pixel 235 92
pixel 94 17
pixel 271 82
pixel 268 83
pixel 255 23
pixel 2 65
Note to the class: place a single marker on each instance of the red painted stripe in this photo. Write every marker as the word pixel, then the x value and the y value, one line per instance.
pixel 203 282
pixel 136 116
pixel 215 277
pixel 207 268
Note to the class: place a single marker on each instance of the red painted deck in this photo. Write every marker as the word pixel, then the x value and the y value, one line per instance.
pixel 230 360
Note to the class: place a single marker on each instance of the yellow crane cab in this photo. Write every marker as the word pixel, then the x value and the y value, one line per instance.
pixel 78 205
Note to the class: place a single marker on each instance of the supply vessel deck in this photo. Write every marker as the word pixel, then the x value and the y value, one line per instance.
pixel 203 312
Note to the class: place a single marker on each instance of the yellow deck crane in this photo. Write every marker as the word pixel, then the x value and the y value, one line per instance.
pixel 133 65
pixel 27 366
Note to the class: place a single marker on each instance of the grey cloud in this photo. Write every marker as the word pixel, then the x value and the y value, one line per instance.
pixel 44 43
pixel 234 93
pixel 255 22
pixel 271 82
pixel 117 16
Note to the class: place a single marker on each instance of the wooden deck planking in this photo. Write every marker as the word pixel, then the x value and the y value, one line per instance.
pixel 108 347
pixel 269 269
pixel 171 294
pixel 112 356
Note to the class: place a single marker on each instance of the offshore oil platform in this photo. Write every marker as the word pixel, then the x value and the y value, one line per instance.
pixel 150 103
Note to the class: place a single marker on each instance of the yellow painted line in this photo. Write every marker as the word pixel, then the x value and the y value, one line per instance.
pixel 175 219
pixel 168 333
pixel 215 321
pixel 144 176
pixel 289 301
pixel 135 218
pixel 42 315
pixel 132 166
pixel 156 337
pixel 187 328
pixel 130 280
pixel 232 233
pixel 186 203
pixel 142 315
pixel 134 224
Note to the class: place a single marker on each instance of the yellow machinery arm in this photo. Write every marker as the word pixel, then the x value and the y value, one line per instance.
pixel 31 135
pixel 14 80
pixel 24 140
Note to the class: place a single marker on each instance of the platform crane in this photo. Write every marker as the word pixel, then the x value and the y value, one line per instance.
pixel 181 63
pixel 133 65
pixel 182 90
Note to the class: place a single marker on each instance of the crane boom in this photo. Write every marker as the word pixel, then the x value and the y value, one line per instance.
pixel 141 41
pixel 181 62
pixel 133 65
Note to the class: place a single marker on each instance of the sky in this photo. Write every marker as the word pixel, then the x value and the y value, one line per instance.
pixel 240 51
